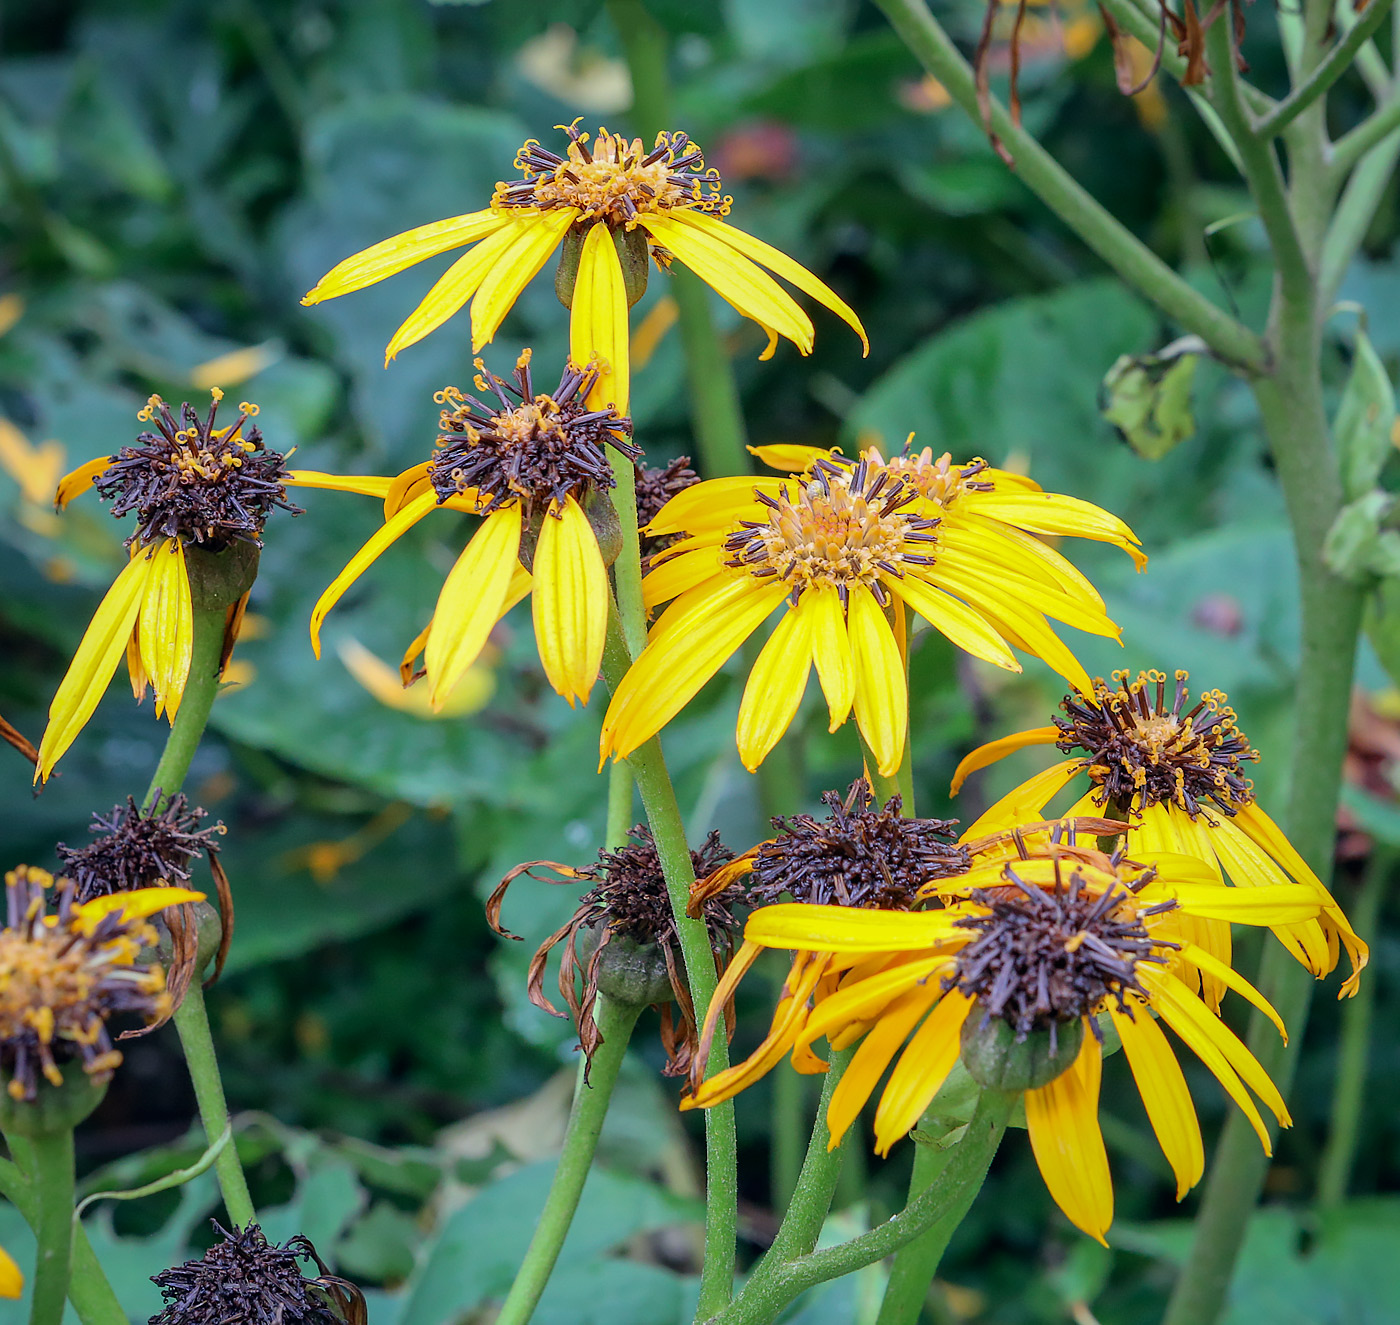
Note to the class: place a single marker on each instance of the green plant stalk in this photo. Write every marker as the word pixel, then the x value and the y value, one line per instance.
pixel 191 1019
pixel 619 806
pixel 51 1177
pixel 591 1098
pixel 1353 1051
pixel 916 1262
pixel 1093 223
pixel 788 1113
pixel 1354 144
pixel 1354 213
pixel 764 1298
pixel 717 417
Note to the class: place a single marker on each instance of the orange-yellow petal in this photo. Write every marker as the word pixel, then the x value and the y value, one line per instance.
pixel 514 269
pixel 368 485
pixel 986 755
pixel 80 480
pixel 922 1069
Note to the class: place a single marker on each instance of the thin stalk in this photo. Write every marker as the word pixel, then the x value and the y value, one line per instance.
pixel 1355 212
pixel 716 415
pixel 1353 1050
pixel 191 1019
pixel 767 1293
pixel 51 1176
pixel 917 1262
pixel 619 806
pixel 1332 66
pixel 615 1022
pixel 1085 216
pixel 788 1116
pixel 1355 143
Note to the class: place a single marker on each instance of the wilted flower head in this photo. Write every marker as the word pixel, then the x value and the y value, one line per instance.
pixel 135 848
pixel 246 1280
pixel 62 976
pixel 629 928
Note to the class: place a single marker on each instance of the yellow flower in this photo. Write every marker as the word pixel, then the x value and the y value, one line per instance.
pixel 847 547
pixel 612 204
pixel 1175 772
pixel 1026 952
pixel 531 464
pixel 196 486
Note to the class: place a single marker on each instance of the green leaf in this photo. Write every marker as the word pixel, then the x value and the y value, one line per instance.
pixel 1365 419
pixel 1147 397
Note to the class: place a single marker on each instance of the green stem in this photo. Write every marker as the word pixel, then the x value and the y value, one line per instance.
pixel 615 1022
pixel 917 1262
pixel 1049 180
pixel 619 806
pixel 1363 194
pixel 716 414
pixel 787 1115
pixel 1332 66
pixel 1353 145
pixel 195 704
pixel 767 1293
pixel 192 1021
pixel 1353 1051
pixel 51 1177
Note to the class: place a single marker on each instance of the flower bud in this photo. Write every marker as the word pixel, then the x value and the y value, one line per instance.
pixel 997 1060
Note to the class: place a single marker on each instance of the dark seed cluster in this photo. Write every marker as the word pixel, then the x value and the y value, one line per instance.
pixel 655 487
pixel 246 1280
pixel 134 849
pixel 1142 752
pixel 199 483
pixel 61 980
pixel 527 447
pixel 857 856
pixel 1045 957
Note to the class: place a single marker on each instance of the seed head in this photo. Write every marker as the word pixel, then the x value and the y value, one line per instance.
pixel 136 849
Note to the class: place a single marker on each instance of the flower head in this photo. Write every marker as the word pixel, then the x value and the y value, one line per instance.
pixel 1027 952
pixel 1174 770
pixel 847 549
pixel 63 975
pixel 195 490
pixel 613 204
pixel 135 848
pixel 246 1278
pixel 534 465
pixel 629 929
pixel 655 487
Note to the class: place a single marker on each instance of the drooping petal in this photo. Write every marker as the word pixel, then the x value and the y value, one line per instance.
pixel 847 929
pixel 398 252
pixel 922 1069
pixel 831 652
pixel 987 755
pixel 1054 513
pixel 570 600
pixel 11 1277
pixel 469 604
pixel 598 321
pixel 80 480
pixel 360 562
pixel 774 688
pixel 100 650
pixel 403 488
pixel 1232 979
pixel 882 694
pixel 138 904
pixel 1026 802
pixel 956 620
pixel 1165 1095
pixel 790 457
pixel 866 999
pixel 1063 1121
pixel 165 626
pixel 368 485
pixel 515 269
pixel 778 262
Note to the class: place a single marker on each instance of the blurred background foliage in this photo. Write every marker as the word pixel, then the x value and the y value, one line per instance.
pixel 174 175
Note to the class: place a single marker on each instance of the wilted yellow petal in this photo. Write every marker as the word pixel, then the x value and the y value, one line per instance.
pixel 570 600
pixel 138 904
pixel 80 480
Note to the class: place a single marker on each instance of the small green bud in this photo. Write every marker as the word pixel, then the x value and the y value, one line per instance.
pixel 996 1061
pixel 630 972
pixel 54 1109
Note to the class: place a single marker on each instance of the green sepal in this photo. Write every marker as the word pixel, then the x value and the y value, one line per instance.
pixel 633 252
pixel 997 1060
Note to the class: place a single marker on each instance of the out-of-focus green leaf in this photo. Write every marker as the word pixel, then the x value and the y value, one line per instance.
pixel 857 87
pixel 1147 397
pixel 1383 626
pixel 1358 546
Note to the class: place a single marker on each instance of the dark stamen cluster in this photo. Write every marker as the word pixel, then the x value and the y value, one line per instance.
pixel 135 849
pixel 528 448
pixel 1140 752
pixel 247 1280
pixel 1045 957
pixel 858 856
pixel 60 981
pixel 198 483
pixel 655 487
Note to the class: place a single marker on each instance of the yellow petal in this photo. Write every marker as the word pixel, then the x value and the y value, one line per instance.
pixel 1228 976
pixel 882 695
pixel 678 660
pixel 515 269
pixel 136 669
pixel 11 1278
pixel 80 480
pixel 1026 802
pixel 453 288
pixel 969 631
pixel 570 600
pixel 987 755
pixel 1165 1095
pixel 100 650
pixel 165 626
pixel 393 255
pixel 404 487
pixel 774 688
pixel 598 321
pixel 386 685
pixel 470 602
pixel 368 485
pixel 790 457
pixel 1063 1121
pixel 138 904
pixel 678 574
pixel 777 261
pixel 831 651
pixel 1053 513
pixel 865 999
pixel 360 562
pixel 750 289
pixel 847 929
pixel 922 1069
pixel 714 504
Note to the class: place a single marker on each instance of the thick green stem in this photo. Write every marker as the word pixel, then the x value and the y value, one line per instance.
pixel 615 1022
pixel 1049 180
pixel 765 1297
pixel 192 1021
pixel 51 1177
pixel 1353 1050
pixel 195 704
pixel 787 1118
pixel 619 806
